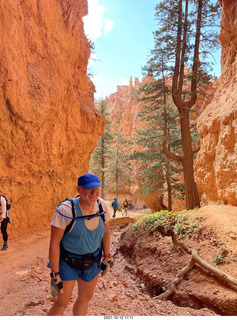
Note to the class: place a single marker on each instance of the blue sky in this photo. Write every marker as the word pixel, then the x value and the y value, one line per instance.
pixel 122 33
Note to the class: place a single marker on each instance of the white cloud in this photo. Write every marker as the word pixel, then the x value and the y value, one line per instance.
pixel 123 81
pixel 108 24
pixel 98 79
pixel 104 87
pixel 94 23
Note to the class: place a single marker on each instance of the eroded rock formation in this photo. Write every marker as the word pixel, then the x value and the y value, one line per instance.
pixel 216 163
pixel 48 124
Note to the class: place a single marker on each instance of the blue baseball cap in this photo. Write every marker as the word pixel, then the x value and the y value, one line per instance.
pixel 89 181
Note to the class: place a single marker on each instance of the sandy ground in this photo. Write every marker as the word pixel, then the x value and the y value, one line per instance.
pixel 25 282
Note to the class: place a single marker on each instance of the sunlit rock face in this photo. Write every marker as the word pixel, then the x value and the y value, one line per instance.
pixel 216 163
pixel 48 123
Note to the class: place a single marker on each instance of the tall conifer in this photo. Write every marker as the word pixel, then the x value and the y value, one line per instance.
pixel 158 121
pixel 186 34
pixel 118 175
pixel 103 151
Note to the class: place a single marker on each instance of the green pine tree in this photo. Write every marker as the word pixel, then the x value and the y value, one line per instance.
pixel 103 151
pixel 185 35
pixel 158 120
pixel 118 173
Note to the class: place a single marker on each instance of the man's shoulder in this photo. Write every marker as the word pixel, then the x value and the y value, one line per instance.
pixel 105 208
pixel 65 207
pixel 102 201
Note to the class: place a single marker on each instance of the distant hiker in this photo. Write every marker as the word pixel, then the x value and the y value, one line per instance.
pixel 125 207
pixel 115 206
pixel 4 219
pixel 75 254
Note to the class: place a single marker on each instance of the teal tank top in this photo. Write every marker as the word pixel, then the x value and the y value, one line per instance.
pixel 80 240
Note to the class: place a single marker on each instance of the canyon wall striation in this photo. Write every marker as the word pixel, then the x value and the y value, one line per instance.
pixel 48 123
pixel 216 163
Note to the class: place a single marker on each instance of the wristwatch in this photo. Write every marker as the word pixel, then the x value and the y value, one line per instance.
pixel 54 274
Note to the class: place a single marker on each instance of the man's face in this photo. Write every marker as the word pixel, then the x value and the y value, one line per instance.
pixel 89 195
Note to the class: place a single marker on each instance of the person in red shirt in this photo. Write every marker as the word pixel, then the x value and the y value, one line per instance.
pixel 125 207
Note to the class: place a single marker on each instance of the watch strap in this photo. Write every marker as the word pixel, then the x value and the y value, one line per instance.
pixel 54 274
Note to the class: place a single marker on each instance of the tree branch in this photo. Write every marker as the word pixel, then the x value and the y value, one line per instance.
pixel 171 155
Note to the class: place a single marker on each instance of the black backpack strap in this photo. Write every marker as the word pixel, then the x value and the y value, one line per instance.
pixel 69 226
pixel 101 210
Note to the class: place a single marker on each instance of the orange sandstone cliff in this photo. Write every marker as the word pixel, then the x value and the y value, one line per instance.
pixel 48 123
pixel 216 163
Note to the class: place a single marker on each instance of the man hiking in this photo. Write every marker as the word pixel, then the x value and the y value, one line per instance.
pixel 115 206
pixel 75 255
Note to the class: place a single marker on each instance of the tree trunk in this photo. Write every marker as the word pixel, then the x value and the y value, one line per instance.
pixel 167 174
pixel 184 107
pixel 169 190
pixel 192 199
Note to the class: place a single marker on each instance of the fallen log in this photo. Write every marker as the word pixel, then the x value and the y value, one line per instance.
pixel 195 260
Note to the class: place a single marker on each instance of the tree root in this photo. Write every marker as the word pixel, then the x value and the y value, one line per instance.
pixel 195 260
pixel 175 282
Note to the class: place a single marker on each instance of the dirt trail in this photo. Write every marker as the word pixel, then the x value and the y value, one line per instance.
pixel 25 283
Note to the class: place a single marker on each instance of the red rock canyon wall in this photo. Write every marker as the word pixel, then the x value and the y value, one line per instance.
pixel 216 163
pixel 48 123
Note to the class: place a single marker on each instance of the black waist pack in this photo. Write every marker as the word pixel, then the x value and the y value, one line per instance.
pixel 84 263
pixel 81 263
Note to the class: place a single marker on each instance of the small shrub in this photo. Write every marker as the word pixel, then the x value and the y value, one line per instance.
pixel 221 256
pixel 218 259
pixel 168 219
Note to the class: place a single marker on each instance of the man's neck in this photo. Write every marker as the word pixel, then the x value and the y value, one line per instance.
pixel 88 207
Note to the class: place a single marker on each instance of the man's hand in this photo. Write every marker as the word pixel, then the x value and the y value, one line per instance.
pixel 1 219
pixel 105 266
pixel 56 286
